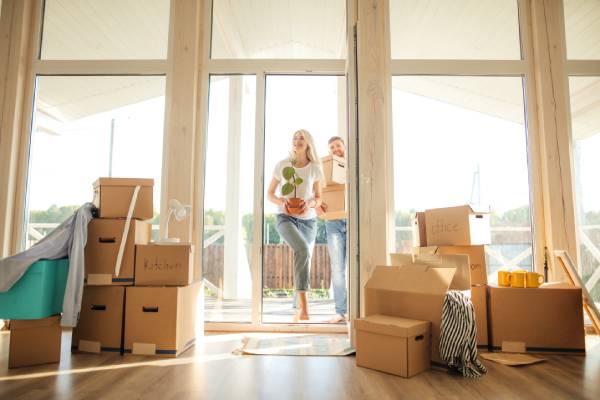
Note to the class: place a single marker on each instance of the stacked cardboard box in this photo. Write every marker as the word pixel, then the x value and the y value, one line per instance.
pixel 101 322
pixel 160 313
pixel 334 190
pixel 459 230
pixel 34 342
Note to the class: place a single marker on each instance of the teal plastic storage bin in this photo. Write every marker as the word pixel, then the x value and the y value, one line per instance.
pixel 39 293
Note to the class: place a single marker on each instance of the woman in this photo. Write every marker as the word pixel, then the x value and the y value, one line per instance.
pixel 299 229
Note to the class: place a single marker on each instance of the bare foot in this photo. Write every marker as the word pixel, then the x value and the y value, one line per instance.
pixel 337 319
pixel 301 316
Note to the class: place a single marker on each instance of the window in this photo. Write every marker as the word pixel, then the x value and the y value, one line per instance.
pixel 460 140
pixel 108 29
pixel 459 29
pixel 308 29
pixel 582 29
pixel 86 127
pixel 585 119
pixel 228 199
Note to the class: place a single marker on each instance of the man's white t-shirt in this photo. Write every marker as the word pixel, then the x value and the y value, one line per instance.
pixel 310 174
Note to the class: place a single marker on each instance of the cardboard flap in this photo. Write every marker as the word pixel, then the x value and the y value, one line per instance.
pixel 479 209
pixel 413 278
pixel 34 323
pixel 392 326
pixel 123 182
pixel 461 279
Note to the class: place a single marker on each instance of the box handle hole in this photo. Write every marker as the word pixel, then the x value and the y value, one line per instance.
pixel 150 309
pixel 98 307
pixel 107 240
pixel 418 338
pixel 478 216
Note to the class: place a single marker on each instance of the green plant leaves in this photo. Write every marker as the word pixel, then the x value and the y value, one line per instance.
pixel 298 181
pixel 288 173
pixel 287 189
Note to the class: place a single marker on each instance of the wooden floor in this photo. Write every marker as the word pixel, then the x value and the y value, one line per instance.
pixel 210 371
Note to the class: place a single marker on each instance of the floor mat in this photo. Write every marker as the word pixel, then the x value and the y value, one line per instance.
pixel 297 345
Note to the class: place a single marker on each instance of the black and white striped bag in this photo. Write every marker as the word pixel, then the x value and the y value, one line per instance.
pixel 458 336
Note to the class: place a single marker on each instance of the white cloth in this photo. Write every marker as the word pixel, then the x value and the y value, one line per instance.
pixel 67 240
pixel 310 174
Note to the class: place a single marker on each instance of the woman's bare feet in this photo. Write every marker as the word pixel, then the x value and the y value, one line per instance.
pixel 337 319
pixel 302 314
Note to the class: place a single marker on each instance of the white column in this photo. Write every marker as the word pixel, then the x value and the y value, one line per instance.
pixel 236 274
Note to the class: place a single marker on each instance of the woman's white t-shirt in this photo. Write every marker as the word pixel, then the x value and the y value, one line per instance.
pixel 310 174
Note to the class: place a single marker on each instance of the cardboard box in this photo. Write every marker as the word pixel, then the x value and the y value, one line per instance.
pixel 536 320
pixel 334 169
pixel 34 342
pixel 411 291
pixel 479 300
pixel 394 345
pixel 419 229
pixel 335 198
pixel 459 262
pixel 458 226
pixel 102 248
pixel 161 320
pixel 476 259
pixel 100 327
pixel 112 196
pixel 164 264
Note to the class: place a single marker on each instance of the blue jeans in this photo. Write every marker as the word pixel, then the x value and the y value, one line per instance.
pixel 336 244
pixel 300 235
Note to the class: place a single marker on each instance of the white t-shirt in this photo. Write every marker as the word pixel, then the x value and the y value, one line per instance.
pixel 310 174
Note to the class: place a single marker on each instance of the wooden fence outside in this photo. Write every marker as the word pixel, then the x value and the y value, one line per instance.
pixel 278 266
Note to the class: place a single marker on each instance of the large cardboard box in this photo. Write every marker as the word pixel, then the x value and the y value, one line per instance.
pixel 102 249
pixel 113 196
pixel 335 198
pixel 164 264
pixel 459 262
pixel 334 169
pixel 411 291
pixel 536 320
pixel 161 320
pixel 479 300
pixel 34 342
pixel 476 259
pixel 100 327
pixel 419 229
pixel 394 345
pixel 458 226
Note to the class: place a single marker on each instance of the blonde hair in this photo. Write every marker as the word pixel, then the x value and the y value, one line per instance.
pixel 311 151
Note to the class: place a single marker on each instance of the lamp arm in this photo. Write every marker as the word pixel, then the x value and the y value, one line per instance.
pixel 166 235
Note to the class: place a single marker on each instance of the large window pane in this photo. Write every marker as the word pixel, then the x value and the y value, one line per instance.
pixel 279 29
pixel 86 127
pixel 458 29
pixel 228 199
pixel 582 28
pixel 585 117
pixel 460 140
pixel 317 104
pixel 107 29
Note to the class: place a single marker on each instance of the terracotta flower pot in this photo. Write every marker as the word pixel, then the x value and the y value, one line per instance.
pixel 295 205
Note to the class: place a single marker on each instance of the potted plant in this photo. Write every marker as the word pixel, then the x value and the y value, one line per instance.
pixel 295 204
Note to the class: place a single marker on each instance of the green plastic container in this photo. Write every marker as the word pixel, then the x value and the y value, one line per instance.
pixel 39 293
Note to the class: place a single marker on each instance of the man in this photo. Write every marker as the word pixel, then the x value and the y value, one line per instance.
pixel 336 245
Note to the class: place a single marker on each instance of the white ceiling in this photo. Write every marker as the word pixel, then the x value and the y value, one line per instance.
pixel 484 29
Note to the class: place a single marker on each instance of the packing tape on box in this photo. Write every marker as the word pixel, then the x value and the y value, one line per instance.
pixel 147 349
pixel 136 191
pixel 89 346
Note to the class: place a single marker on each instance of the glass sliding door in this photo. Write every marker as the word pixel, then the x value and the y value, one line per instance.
pixel 461 140
pixel 318 105
pixel 228 198
pixel 585 119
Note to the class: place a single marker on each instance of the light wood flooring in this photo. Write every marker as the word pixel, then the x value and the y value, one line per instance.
pixel 210 371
